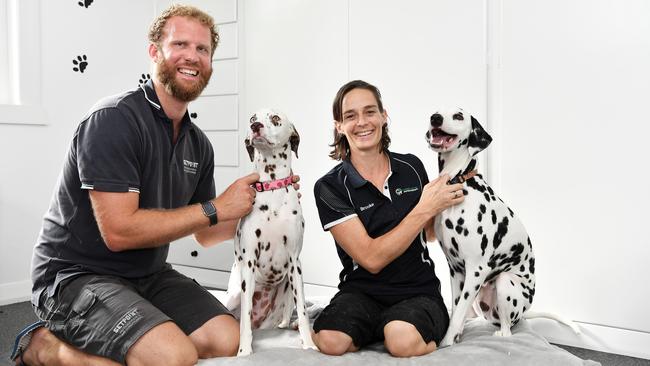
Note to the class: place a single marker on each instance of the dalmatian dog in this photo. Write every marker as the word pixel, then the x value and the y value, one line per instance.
pixel 266 278
pixel 490 256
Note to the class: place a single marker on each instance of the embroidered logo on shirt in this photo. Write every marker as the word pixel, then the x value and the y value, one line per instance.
pixel 363 208
pixel 190 166
pixel 400 191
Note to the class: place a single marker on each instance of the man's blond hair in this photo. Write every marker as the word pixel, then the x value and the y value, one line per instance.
pixel 156 32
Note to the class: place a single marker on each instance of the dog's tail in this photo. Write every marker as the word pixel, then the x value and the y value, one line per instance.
pixel 557 318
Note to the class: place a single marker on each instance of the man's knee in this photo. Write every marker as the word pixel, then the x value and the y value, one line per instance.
pixel 165 344
pixel 218 337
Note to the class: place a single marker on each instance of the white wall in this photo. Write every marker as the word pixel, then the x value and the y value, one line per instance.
pixel 570 155
pixel 561 86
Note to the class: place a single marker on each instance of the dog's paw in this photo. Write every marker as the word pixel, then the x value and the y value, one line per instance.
pixel 284 324
pixel 449 340
pixel 309 344
pixel 503 333
pixel 244 351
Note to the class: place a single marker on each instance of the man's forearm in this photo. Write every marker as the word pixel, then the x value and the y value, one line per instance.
pixel 148 228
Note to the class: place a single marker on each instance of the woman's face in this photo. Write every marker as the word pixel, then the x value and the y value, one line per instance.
pixel 361 121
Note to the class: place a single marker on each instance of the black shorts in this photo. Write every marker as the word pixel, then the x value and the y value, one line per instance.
pixel 106 315
pixel 364 318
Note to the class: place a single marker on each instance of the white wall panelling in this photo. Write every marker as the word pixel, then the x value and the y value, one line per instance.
pixel 226 147
pixel 228 42
pixel 187 252
pixel 216 113
pixel 224 78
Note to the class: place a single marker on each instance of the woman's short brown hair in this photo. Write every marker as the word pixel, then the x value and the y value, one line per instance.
pixel 341 147
pixel 156 32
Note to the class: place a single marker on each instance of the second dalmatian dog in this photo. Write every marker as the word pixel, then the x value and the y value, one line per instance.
pixel 489 253
pixel 266 279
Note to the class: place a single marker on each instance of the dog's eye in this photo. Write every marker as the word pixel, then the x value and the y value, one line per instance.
pixel 275 119
pixel 458 117
pixel 254 118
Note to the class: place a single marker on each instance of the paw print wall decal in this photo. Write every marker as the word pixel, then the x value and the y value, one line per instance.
pixel 80 63
pixel 143 79
pixel 85 3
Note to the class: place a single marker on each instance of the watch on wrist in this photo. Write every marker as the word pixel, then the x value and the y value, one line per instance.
pixel 210 212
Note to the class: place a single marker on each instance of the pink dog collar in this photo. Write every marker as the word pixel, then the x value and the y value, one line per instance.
pixel 271 185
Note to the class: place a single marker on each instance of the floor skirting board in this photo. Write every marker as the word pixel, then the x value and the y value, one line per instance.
pixel 596 337
pixel 14 292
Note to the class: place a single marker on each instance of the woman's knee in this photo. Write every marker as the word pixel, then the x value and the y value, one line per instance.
pixel 402 339
pixel 333 343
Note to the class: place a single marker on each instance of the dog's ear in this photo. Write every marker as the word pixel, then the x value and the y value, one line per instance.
pixel 249 148
pixel 479 139
pixel 294 140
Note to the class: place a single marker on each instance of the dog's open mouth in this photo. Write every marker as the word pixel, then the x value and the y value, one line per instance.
pixel 439 139
pixel 258 138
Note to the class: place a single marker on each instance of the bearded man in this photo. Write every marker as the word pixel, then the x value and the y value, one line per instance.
pixel 138 175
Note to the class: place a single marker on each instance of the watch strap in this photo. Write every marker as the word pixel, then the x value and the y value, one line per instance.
pixel 210 212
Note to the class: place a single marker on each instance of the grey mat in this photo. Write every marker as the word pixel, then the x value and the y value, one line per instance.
pixel 478 347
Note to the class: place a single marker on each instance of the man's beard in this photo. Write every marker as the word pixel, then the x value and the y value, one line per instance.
pixel 167 77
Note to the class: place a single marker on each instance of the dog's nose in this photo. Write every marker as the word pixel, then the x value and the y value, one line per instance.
pixel 436 120
pixel 255 126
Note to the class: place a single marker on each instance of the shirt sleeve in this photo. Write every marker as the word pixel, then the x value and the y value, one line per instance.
pixel 333 207
pixel 421 170
pixel 108 152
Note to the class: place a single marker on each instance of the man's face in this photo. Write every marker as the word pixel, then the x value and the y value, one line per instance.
pixel 184 58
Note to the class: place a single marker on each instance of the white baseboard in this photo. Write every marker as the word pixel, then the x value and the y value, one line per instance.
pixel 596 337
pixel 14 292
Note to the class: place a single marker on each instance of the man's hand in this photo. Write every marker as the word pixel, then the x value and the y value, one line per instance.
pixel 237 200
pixel 295 179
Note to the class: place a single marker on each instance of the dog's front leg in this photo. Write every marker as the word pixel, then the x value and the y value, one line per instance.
pixel 245 323
pixel 467 295
pixel 287 302
pixel 296 285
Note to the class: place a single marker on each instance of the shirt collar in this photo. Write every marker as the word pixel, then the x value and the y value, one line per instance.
pixel 151 97
pixel 356 179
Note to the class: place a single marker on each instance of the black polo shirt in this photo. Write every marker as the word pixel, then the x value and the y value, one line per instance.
pixel 343 194
pixel 124 144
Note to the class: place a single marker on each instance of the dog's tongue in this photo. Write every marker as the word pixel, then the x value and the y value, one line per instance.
pixel 438 140
pixel 442 140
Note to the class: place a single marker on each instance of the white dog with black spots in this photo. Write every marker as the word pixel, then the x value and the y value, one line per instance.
pixel 266 279
pixel 490 256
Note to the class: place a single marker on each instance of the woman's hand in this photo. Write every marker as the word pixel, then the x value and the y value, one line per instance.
pixel 437 195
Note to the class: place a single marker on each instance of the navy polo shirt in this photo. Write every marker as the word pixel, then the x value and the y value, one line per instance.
pixel 343 194
pixel 124 144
